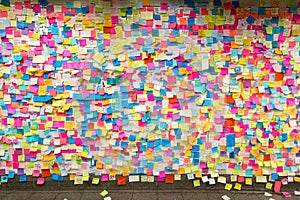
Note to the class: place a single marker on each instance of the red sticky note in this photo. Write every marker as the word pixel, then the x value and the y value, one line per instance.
pixel 241 179
pixel 121 180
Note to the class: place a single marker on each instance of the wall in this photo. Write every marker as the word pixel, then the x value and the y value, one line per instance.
pixel 173 89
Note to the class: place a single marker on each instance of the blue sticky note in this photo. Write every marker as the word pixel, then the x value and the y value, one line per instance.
pixel 85 9
pixel 230 140
pixel 55 177
pixel 250 20
pixel 274 176
pixel 23 178
pixel 43 2
pixel 217 3
pixel 236 4
pixel 69 4
pixel 5 2
pixel 4 179
pixel 261 11
pixel 55 30
pixel 11 174
pixel 172 18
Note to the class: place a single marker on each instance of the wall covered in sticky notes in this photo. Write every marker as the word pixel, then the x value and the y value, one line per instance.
pixel 176 88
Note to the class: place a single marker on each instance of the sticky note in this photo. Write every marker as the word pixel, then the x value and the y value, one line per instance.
pixel 40 181
pixel 95 181
pixel 277 186
pixel 269 186
pixel 238 186
pixel 104 193
pixel 248 181
pixel 228 186
pixel 196 183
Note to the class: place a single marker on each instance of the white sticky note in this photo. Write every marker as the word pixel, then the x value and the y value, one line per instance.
pixel 261 179
pixel 134 178
pixel 222 179
pixel 38 59
pixel 205 179
pixel 225 197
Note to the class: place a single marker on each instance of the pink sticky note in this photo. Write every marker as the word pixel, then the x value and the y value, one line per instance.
pixel 66 53
pixel 160 179
pixel 82 42
pixel 224 71
pixel 286 194
pixel 140 41
pixel 164 6
pixel 106 42
pixel 51 43
pixel 37 8
pixel 202 165
pixel 40 181
pixel 114 19
pixel 104 177
pixel 18 123
pixel 241 179
pixel 277 186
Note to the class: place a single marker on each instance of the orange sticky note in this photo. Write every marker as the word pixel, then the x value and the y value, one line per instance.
pixel 72 177
pixel 121 180
pixel 169 178
pixel 146 2
pixel 99 165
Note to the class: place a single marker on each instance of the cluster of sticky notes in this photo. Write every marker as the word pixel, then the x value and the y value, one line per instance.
pixel 174 88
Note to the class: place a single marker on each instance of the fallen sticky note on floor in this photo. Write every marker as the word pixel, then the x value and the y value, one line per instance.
pixel 225 197
pixel 286 194
pixel 267 194
pixel 297 193
pixel 107 198
pixel 104 193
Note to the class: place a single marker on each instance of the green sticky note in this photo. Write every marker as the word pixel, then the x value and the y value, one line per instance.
pixel 98 10
pixel 104 193
pixel 269 186
pixel 196 183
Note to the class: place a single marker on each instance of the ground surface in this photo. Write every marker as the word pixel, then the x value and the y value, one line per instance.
pixel 136 195
pixel 180 190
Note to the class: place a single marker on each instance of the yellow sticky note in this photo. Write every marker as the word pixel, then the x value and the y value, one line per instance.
pixel 5 8
pixel 66 41
pixel 297 179
pixel 248 181
pixel 228 186
pixel 99 57
pixel 74 49
pixel 238 186
pixel 196 183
